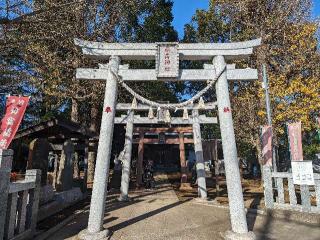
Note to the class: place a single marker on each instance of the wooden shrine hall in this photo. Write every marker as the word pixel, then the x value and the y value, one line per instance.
pixel 159 138
pixel 150 130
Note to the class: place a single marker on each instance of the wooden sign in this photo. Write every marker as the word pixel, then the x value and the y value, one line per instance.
pixel 302 172
pixel 161 114
pixel 167 60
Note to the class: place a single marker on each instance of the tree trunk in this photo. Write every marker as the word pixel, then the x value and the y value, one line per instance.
pixel 92 154
pixel 94 118
pixel 75 111
pixel 91 163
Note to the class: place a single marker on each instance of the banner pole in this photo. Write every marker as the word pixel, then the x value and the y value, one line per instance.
pixel 269 115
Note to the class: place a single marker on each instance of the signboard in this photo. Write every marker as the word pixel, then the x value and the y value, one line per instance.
pixel 266 142
pixel 161 114
pixel 302 172
pixel 162 138
pixel 295 141
pixel 167 60
pixel 15 108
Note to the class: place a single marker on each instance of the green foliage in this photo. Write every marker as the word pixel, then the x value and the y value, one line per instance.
pixel 311 150
pixel 38 49
pixel 288 50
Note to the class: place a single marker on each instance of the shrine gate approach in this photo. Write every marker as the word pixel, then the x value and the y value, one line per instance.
pixel 167 57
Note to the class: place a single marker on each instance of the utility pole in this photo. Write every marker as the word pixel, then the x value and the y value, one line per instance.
pixel 269 117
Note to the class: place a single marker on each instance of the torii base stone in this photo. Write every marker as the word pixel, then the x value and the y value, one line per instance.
pixel 230 235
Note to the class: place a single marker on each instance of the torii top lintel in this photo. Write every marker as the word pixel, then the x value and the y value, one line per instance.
pixel 186 51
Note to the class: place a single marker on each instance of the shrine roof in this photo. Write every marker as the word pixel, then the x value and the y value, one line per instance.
pixel 57 128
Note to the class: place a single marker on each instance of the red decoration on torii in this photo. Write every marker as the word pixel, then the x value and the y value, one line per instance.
pixel 108 110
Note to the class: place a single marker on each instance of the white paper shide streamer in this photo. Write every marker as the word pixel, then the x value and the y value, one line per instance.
pixel 201 104
pixel 150 113
pixel 134 104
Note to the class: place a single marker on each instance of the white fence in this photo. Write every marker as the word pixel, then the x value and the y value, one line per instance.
pixel 280 192
pixel 19 201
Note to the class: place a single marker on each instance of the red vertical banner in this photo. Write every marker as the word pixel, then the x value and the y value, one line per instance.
pixel 266 142
pixel 295 141
pixel 15 109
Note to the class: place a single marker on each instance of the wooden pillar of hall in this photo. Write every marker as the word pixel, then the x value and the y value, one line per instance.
pixel 140 159
pixel 183 163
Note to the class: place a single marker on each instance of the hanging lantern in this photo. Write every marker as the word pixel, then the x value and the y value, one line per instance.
pixel 201 104
pixel 167 116
pixel 150 114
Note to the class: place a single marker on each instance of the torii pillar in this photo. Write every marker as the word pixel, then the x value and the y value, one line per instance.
pixel 235 196
pixel 126 165
pixel 201 174
pixel 96 215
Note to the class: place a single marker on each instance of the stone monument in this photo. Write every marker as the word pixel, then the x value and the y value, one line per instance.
pixel 38 157
pixel 65 174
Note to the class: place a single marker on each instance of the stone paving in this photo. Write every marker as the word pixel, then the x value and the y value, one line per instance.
pixel 159 215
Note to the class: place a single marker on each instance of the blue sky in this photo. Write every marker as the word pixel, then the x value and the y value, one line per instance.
pixel 316 8
pixel 183 11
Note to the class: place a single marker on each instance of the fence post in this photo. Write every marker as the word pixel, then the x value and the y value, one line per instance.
pixel 5 169
pixel 292 191
pixel 268 191
pixel 317 188
pixel 305 197
pixel 33 175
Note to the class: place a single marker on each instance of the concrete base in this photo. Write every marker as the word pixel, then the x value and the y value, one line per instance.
pixel 230 235
pixel 185 186
pixel 124 199
pixel 85 235
pixel 201 200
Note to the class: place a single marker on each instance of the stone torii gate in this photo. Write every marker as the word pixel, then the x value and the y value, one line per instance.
pixel 195 121
pixel 167 56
